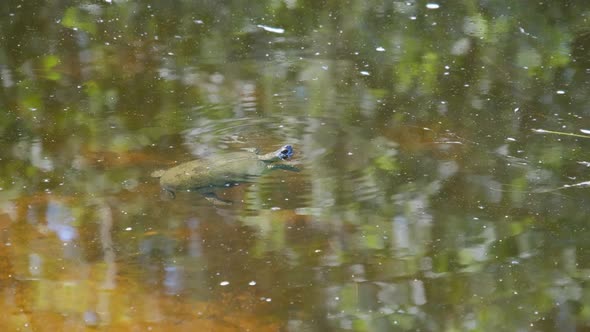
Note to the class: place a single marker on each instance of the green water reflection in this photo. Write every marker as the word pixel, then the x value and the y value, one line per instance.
pixel 427 198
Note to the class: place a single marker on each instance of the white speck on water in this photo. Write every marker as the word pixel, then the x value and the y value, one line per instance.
pixel 224 283
pixel 511 139
pixel 516 109
pixel 325 67
pixel 252 283
pixel 317 250
pixel 275 208
pixel 128 228
pixel 198 21
pixel 413 18
pixel 560 92
pixel 380 49
pixel 585 131
pixel 365 73
pixel 350 153
pixel 432 5
pixel 268 299
pixel 271 29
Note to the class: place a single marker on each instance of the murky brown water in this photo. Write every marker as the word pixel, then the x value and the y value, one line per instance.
pixel 441 148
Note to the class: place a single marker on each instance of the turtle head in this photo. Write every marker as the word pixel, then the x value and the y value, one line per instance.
pixel 285 152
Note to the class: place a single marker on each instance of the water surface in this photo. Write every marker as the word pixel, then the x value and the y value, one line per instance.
pixel 442 150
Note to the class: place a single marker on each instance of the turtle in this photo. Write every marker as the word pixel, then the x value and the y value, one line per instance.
pixel 205 175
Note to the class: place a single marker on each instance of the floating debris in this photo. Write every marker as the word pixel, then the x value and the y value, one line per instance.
pixel 581 184
pixel 271 29
pixel 543 131
pixel 521 29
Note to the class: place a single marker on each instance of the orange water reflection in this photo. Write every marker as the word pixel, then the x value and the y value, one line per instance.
pixel 59 277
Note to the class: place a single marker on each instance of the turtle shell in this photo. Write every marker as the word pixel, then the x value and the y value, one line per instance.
pixel 213 171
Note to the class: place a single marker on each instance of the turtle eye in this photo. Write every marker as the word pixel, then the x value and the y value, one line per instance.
pixel 286 152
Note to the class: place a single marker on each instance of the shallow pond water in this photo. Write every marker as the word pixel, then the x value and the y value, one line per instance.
pixel 442 151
